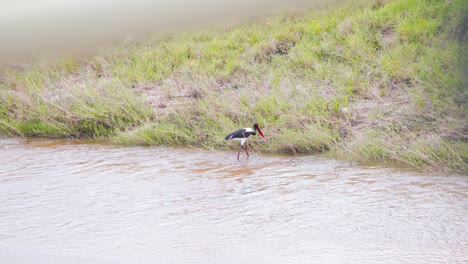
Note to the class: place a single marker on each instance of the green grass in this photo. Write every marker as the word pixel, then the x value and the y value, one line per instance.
pixel 375 82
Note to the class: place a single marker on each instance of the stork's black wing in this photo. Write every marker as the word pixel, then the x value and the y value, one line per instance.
pixel 240 133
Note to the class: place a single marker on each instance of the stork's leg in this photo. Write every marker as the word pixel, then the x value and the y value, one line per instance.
pixel 238 153
pixel 242 146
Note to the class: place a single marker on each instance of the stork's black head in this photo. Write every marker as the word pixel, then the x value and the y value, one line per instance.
pixel 257 128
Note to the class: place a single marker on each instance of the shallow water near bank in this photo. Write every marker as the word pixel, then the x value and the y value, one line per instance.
pixel 71 202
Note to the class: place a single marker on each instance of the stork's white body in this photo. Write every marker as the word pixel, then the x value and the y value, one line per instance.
pixel 247 132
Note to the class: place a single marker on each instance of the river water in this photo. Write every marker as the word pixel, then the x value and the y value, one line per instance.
pixel 71 202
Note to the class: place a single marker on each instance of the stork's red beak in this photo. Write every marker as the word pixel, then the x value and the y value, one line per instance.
pixel 261 134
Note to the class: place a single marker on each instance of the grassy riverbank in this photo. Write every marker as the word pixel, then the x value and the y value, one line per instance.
pixel 382 82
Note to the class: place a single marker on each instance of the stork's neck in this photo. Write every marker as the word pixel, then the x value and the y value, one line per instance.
pixel 254 131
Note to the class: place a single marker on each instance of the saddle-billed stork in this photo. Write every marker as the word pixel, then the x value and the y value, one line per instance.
pixel 242 135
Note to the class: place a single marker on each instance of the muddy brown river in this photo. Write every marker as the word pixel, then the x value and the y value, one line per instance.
pixel 71 202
